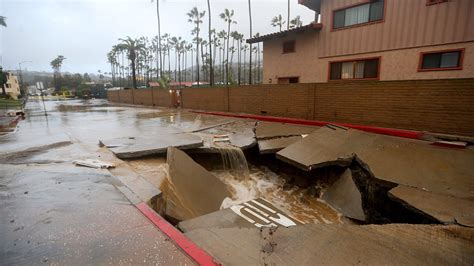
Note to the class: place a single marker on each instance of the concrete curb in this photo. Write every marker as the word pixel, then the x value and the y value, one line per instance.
pixel 196 253
pixel 410 134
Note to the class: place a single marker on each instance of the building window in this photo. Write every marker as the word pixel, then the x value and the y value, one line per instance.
pixel 289 47
pixel 360 14
pixel 434 2
pixel 441 60
pixel 358 69
pixel 288 80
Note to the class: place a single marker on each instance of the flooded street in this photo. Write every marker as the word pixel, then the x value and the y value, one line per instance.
pixel 43 194
pixel 206 175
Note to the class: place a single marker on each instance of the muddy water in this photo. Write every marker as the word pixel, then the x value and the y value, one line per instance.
pixel 233 160
pixel 264 183
pixel 257 182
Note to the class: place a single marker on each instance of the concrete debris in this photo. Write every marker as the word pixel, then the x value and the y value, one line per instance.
pixel 221 138
pixel 127 148
pixel 254 213
pixel 93 163
pixel 339 244
pixel 344 196
pixel 196 191
pixel 271 130
pixel 446 209
pixel 401 161
pixel 273 145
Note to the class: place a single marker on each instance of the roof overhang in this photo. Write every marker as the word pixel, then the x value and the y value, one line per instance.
pixel 311 4
pixel 312 26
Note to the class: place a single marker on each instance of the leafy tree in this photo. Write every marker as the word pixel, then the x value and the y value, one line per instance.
pixel 3 21
pixel 296 22
pixel 195 17
pixel 278 21
pixel 133 46
pixel 56 65
pixel 227 17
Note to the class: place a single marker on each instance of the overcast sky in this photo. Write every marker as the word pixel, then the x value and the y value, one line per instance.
pixel 84 30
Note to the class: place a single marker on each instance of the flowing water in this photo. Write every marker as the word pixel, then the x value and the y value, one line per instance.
pixel 233 160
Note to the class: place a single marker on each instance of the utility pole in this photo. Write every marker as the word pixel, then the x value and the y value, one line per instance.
pixel 21 78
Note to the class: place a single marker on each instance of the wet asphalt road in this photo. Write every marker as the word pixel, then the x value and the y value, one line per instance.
pixel 52 212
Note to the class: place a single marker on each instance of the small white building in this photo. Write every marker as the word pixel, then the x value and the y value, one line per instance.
pixel 12 87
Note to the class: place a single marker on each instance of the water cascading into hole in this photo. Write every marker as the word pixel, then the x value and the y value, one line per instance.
pixel 233 160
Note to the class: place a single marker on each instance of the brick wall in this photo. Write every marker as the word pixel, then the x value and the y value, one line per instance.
pixel 445 106
pixel 149 97
pixel 211 99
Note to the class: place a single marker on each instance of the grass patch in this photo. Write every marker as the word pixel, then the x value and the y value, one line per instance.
pixel 9 103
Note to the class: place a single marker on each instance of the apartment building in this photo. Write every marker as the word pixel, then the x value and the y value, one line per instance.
pixel 12 87
pixel 374 40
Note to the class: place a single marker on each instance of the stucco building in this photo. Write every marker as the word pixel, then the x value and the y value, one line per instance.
pixel 374 39
pixel 12 87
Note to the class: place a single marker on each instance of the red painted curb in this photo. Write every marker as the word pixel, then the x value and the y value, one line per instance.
pixel 410 134
pixel 195 252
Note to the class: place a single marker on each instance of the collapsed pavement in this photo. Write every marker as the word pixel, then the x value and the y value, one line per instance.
pixel 367 178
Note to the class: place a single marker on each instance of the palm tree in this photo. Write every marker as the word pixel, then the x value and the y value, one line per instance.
pixel 194 16
pixel 278 21
pixel 296 22
pixel 159 37
pixel 3 21
pixel 211 67
pixel 250 60
pixel 227 17
pixel 133 46
pixel 56 65
pixel 222 35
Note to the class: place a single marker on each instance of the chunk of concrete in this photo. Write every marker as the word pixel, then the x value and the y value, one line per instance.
pixel 253 213
pixel 127 148
pixel 271 130
pixel 344 196
pixel 273 145
pixel 403 244
pixel 195 189
pixel 445 209
pixel 402 161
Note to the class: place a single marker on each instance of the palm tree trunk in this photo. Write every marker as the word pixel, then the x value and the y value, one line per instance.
pixel 133 74
pixel 197 53
pixel 159 39
pixel 250 62
pixel 288 19
pixel 211 67
pixel 227 57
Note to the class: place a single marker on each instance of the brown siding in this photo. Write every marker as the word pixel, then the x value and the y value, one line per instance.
pixel 407 23
pixel 143 97
pixel 444 106
pixel 212 99
pixel 113 96
pixel 162 98
pixel 126 96
pixel 438 106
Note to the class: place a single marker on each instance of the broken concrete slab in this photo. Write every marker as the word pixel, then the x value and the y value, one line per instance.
pixel 271 130
pixel 446 209
pixel 240 134
pixel 402 161
pixel 93 163
pixel 273 145
pixel 403 244
pixel 127 148
pixel 193 191
pixel 344 196
pixel 254 213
